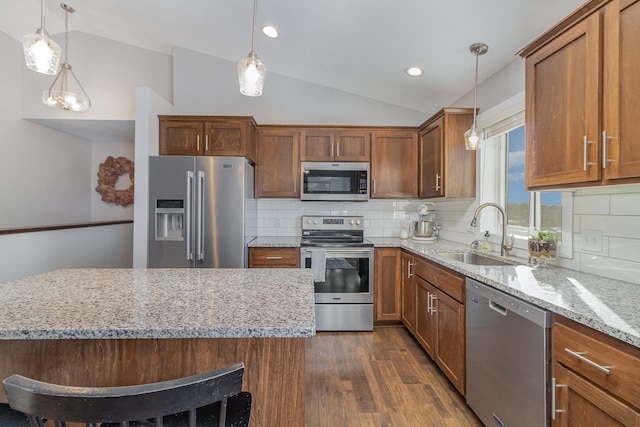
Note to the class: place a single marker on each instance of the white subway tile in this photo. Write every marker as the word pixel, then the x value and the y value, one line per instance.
pixel 625 204
pixel 610 267
pixel 622 226
pixel 597 204
pixel 627 249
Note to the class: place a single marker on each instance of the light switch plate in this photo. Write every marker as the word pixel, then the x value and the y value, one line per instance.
pixel 592 240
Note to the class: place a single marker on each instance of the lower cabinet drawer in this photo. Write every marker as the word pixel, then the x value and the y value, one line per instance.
pixel 450 282
pixel 611 364
pixel 274 257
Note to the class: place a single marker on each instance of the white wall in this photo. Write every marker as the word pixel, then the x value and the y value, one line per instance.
pixel 26 254
pixel 148 106
pixel 47 177
pixel 207 85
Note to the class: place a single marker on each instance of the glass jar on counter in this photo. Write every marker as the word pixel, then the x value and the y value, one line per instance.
pixel 542 246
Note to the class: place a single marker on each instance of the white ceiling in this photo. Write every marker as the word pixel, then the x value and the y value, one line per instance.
pixel 357 46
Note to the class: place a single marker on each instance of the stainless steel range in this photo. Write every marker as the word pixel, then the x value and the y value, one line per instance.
pixel 342 262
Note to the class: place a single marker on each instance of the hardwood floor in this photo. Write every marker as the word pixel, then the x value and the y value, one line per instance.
pixel 382 378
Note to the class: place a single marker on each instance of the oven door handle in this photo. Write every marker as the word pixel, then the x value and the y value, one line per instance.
pixel 345 250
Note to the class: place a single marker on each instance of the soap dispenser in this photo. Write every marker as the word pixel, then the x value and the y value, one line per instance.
pixel 486 245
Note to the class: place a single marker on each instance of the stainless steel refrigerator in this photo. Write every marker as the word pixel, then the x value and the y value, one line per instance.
pixel 202 211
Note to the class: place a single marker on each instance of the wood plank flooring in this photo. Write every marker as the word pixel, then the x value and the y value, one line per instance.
pixel 384 378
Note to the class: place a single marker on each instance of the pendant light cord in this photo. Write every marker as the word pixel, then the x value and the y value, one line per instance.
pixel 475 94
pixel 42 14
pixel 253 31
pixel 66 32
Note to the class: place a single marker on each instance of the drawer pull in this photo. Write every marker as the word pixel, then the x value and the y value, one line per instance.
pixel 579 355
pixel 274 257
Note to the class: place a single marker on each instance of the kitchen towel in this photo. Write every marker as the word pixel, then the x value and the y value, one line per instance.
pixel 318 264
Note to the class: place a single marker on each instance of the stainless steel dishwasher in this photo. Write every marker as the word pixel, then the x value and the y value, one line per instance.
pixel 507 358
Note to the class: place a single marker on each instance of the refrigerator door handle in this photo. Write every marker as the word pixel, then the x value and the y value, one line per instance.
pixel 200 217
pixel 188 214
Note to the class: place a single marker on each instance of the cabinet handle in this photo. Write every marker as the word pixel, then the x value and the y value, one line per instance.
pixel 374 187
pixel 579 355
pixel 409 273
pixel 555 411
pixel 332 150
pixel 337 149
pixel 295 185
pixel 437 182
pixel 605 138
pixel 274 257
pixel 584 152
pixel 431 306
pixel 198 143
pixel 206 143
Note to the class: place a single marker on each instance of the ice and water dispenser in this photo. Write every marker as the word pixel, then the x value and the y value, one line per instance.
pixel 170 219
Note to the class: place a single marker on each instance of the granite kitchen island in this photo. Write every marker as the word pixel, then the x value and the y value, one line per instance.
pixel 108 327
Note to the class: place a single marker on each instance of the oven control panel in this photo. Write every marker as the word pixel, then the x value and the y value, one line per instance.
pixel 314 222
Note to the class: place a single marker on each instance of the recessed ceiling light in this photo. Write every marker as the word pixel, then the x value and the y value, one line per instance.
pixel 414 71
pixel 270 31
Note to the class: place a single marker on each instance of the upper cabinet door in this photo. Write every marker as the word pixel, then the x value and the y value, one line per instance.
pixel 447 169
pixel 394 164
pixel 621 109
pixel 225 139
pixel 335 145
pixel 431 141
pixel 278 165
pixel 181 138
pixel 353 146
pixel 562 108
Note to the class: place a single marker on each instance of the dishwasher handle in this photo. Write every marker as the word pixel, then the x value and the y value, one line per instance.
pixel 497 308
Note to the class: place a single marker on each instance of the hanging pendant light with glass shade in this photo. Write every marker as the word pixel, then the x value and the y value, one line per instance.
pixel 473 136
pixel 251 71
pixel 41 53
pixel 66 92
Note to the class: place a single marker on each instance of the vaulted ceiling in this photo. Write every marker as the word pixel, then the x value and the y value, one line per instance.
pixel 357 46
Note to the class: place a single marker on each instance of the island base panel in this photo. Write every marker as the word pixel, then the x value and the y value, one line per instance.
pixel 274 367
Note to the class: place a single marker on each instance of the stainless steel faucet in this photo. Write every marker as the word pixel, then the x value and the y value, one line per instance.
pixel 504 248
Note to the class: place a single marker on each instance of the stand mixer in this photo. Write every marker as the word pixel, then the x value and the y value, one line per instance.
pixel 424 228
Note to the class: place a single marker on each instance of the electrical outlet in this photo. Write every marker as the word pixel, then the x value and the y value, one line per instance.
pixel 592 240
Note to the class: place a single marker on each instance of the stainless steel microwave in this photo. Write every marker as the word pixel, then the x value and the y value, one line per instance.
pixel 335 181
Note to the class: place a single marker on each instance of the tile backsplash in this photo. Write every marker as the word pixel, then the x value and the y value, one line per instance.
pixel 383 218
pixel 606 225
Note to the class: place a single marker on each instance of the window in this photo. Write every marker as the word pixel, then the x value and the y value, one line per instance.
pixel 502 181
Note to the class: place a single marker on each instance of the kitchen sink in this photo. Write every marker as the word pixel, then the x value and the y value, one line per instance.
pixel 473 258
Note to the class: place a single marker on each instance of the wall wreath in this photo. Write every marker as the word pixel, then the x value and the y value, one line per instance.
pixel 108 174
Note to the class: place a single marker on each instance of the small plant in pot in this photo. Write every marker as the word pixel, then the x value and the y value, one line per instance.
pixel 544 245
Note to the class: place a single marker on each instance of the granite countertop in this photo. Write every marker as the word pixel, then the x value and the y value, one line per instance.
pixel 607 305
pixel 159 303
pixel 275 242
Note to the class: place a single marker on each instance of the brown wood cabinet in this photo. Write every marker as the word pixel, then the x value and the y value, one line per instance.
pixel 278 163
pixel 344 145
pixel 208 136
pixel 394 164
pixel 386 284
pixel 446 168
pixel 408 291
pixel 270 257
pixel 596 377
pixel 440 318
pixel 581 85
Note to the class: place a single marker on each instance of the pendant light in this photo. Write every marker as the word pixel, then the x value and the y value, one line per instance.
pixel 69 93
pixel 473 137
pixel 251 71
pixel 41 53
